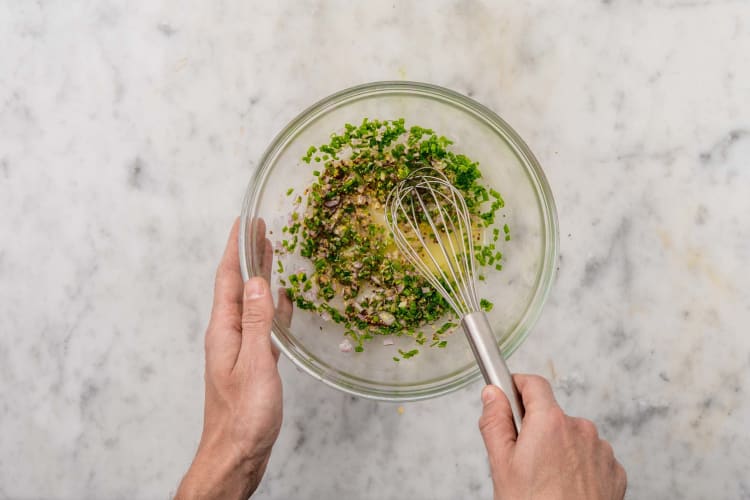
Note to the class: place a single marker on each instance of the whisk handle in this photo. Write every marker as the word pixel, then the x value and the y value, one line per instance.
pixel 491 362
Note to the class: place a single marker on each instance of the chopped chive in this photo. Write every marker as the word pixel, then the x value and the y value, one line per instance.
pixel 356 170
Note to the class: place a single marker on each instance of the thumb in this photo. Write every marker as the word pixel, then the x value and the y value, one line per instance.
pixel 257 317
pixel 496 426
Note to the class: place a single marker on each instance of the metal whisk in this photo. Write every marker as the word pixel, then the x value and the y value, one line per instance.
pixel 430 222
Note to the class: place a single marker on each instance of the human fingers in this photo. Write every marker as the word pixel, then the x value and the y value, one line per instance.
pixel 284 310
pixel 496 426
pixel 228 284
pixel 536 393
pixel 257 317
pixel 223 337
pixel 267 259
pixel 262 249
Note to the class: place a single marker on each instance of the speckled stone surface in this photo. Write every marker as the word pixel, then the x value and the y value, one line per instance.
pixel 129 130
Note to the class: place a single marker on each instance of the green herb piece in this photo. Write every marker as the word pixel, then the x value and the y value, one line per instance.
pixel 446 326
pixel 496 195
pixel 486 305
pixel 311 151
pixel 408 354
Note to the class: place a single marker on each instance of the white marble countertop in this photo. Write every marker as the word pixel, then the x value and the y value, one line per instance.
pixel 129 131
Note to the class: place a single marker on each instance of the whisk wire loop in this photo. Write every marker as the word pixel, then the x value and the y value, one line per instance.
pixel 427 206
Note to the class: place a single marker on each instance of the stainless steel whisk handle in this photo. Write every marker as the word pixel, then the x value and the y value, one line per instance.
pixel 491 362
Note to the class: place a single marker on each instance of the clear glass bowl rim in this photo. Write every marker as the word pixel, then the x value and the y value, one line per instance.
pixel 373 390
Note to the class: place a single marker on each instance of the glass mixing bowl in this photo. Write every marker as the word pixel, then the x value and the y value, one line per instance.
pixel 518 291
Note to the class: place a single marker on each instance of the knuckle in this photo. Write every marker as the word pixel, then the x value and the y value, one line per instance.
pixel 607 448
pixel 209 340
pixel 539 381
pixel 252 317
pixel 556 417
pixel 587 428
pixel 622 476
pixel 487 422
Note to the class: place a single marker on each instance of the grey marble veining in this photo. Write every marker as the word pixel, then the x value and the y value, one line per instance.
pixel 128 132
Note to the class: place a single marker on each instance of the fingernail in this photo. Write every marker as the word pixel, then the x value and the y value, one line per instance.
pixel 488 395
pixel 254 289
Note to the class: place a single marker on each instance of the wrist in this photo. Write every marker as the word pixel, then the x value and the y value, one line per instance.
pixel 222 470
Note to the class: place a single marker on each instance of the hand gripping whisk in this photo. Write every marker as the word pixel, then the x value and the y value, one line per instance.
pixel 430 222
